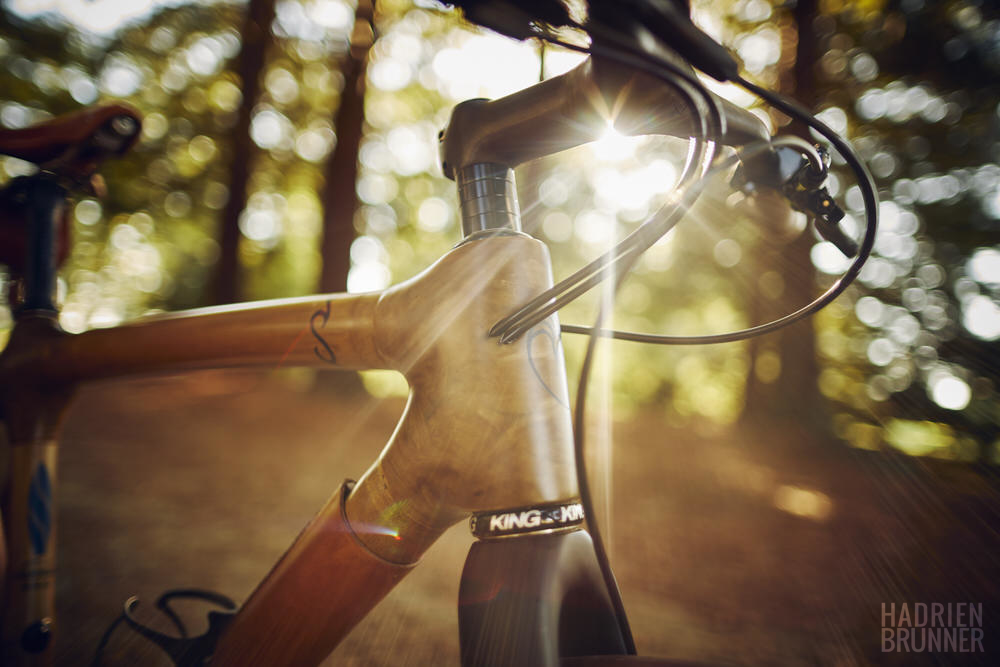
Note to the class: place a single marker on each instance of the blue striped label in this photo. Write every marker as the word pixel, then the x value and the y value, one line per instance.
pixel 40 509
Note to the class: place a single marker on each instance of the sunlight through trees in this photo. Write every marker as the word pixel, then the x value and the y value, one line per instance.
pixel 906 359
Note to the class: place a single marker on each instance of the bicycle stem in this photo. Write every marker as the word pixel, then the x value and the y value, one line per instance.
pixel 575 108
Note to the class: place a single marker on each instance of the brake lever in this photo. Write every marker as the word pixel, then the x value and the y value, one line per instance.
pixel 826 216
pixel 803 184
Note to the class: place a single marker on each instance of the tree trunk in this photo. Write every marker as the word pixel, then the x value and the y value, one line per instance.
pixel 783 379
pixel 339 196
pixel 256 37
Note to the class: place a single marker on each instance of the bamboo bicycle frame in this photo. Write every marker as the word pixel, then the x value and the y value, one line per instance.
pixel 487 426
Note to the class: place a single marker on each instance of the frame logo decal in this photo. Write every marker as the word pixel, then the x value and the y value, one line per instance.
pixel 40 509
pixel 547 329
pixel 545 518
pixel 326 354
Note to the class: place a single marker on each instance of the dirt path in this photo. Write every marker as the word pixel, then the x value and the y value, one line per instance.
pixel 745 550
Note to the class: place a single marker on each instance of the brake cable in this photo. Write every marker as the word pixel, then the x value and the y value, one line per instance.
pixel 869 197
pixel 642 238
pixel 515 325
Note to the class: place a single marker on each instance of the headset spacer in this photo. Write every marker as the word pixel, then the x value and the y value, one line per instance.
pixel 524 520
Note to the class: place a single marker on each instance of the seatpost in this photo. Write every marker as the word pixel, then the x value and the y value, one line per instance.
pixel 47 199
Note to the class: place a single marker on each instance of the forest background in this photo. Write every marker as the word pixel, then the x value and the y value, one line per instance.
pixel 290 147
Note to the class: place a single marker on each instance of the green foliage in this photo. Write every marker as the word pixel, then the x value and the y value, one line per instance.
pixel 151 243
pixel 915 85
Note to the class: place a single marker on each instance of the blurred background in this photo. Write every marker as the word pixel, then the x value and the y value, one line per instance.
pixel 795 481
